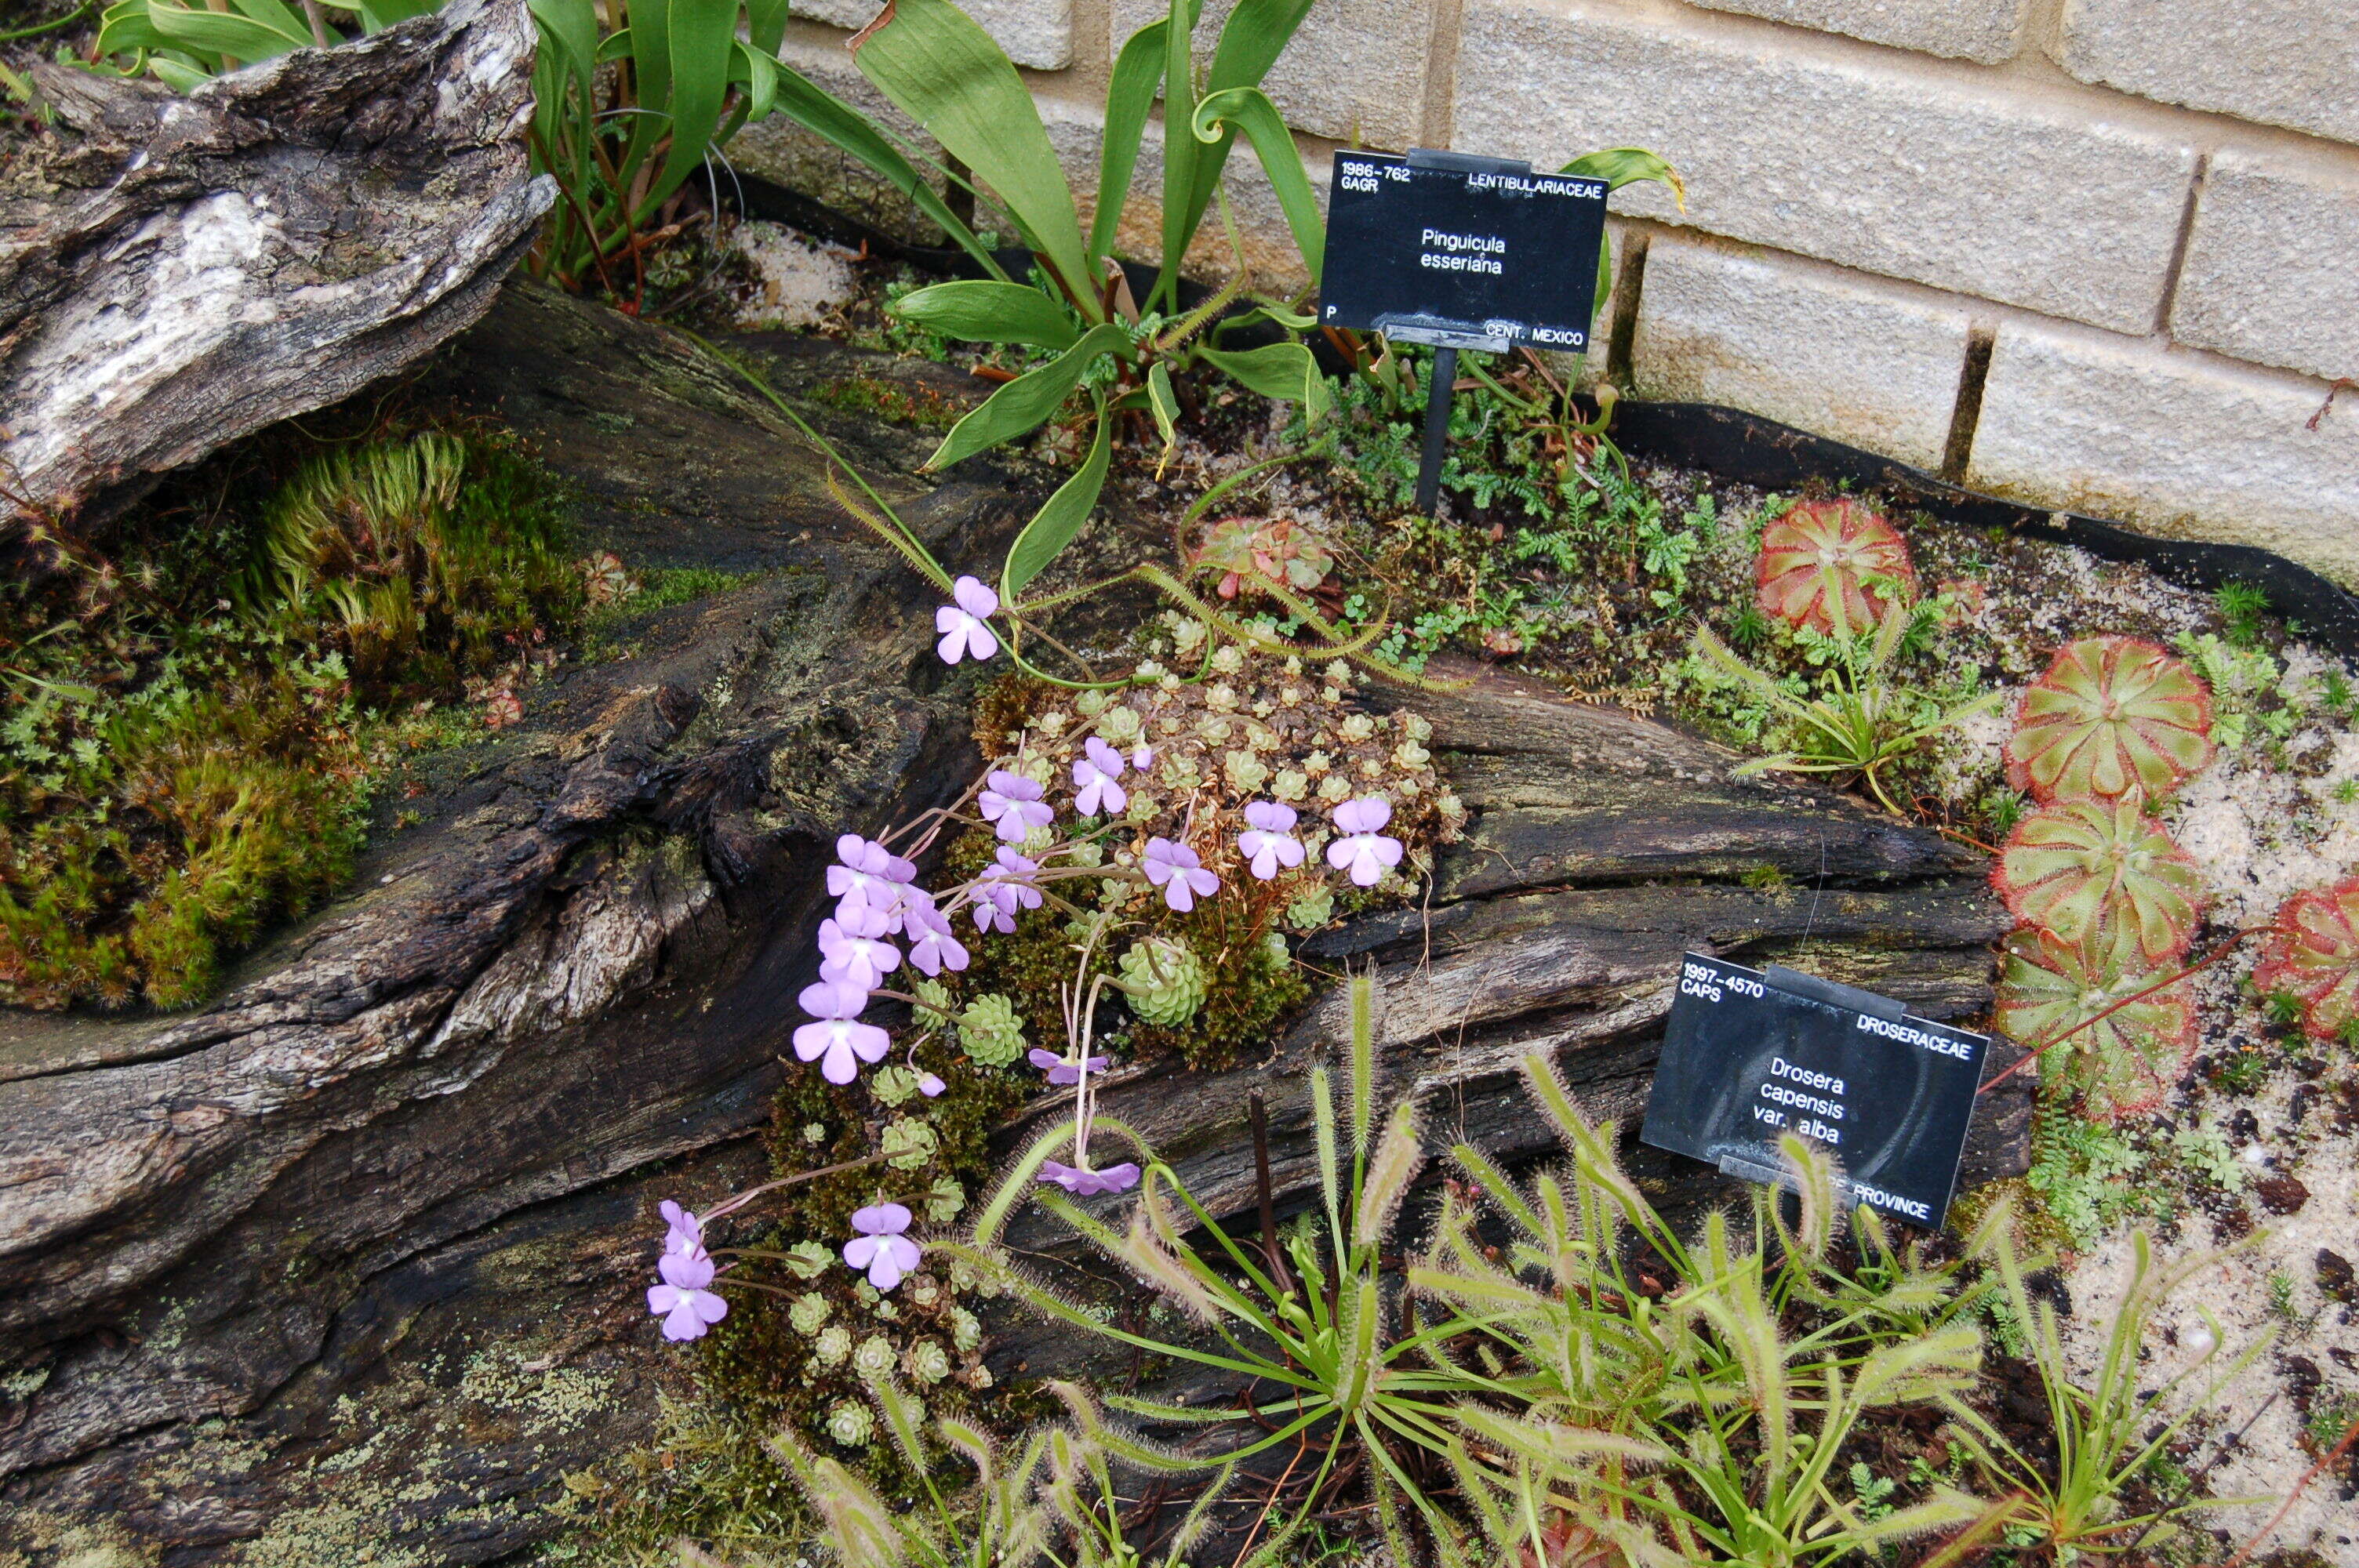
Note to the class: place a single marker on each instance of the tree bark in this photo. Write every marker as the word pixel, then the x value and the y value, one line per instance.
pixel 177 272
pixel 365 1239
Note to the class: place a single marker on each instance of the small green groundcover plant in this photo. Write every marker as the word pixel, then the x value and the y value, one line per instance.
pixel 1552 1367
pixel 188 736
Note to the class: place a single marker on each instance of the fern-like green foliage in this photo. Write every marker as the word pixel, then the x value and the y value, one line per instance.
pixel 2103 877
pixel 2121 1051
pixel 2113 718
pixel 2314 954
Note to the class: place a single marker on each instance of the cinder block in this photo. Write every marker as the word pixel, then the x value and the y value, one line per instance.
pixel 1356 70
pixel 2272 271
pixel 1984 30
pixel 2279 62
pixel 1802 344
pixel 1891 165
pixel 2172 443
pixel 1038 33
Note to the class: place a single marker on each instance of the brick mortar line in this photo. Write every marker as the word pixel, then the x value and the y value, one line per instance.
pixel 1980 313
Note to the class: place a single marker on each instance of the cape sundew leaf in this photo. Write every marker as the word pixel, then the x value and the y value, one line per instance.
pixel 2122 1063
pixel 2103 877
pixel 2113 716
pixel 1825 554
pixel 2315 954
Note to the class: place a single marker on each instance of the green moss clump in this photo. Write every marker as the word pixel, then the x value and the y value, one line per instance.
pixel 191 729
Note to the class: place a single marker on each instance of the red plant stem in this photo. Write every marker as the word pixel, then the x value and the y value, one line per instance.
pixel 2349 1433
pixel 2032 1054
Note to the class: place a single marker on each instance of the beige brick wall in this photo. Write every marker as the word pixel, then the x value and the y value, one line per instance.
pixel 2131 225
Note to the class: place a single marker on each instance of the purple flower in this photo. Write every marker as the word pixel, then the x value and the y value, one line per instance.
pixel 1094 791
pixel 1003 889
pixel 685 1232
pixel 1089 1184
pixel 1365 852
pixel 1012 802
pixel 1268 841
pixel 1176 869
pixel 836 1039
pixel 686 1306
pixel 1142 757
pixel 1060 1070
pixel 933 946
pixel 962 624
pixel 931 1086
pixel 854 947
pixel 870 875
pixel 880 1248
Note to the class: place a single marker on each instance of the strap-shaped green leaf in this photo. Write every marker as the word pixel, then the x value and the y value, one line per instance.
pixel 1618 166
pixel 1280 370
pixel 176 76
pixel 1053 526
pixel 1250 110
pixel 1184 159
pixel 1130 95
pixel 766 24
pixel 126 28
pixel 989 312
pixel 838 123
pixel 210 32
pixel 1024 402
pixel 945 73
pixel 378 15
pixel 759 72
pixel 276 15
pixel 1165 405
pixel 702 44
pixel 1256 34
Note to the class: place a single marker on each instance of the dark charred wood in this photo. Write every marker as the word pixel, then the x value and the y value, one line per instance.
pixel 368 1233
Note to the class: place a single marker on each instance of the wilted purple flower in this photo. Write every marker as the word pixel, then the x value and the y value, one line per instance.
pixel 872 874
pixel 1177 870
pixel 880 1248
pixel 684 1232
pixel 930 1086
pixel 1365 852
pixel 933 946
pixel 1094 771
pixel 1003 889
pixel 1268 842
pixel 686 1306
pixel 1089 1184
pixel 854 947
pixel 1060 1070
pixel 962 624
pixel 1012 804
pixel 837 1038
pixel 1142 757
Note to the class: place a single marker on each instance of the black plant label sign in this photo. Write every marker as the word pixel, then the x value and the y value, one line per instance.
pixel 1752 1054
pixel 1471 248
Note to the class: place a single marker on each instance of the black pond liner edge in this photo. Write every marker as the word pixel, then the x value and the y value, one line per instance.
pixel 1747 448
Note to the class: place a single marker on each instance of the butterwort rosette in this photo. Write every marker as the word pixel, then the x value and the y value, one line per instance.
pixel 881 1250
pixel 1095 793
pixel 1012 805
pixel 1268 843
pixel 836 1040
pixel 962 625
pixel 1179 872
pixel 1363 850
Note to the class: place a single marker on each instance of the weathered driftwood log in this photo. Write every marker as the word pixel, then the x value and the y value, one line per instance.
pixel 177 272
pixel 358 1250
